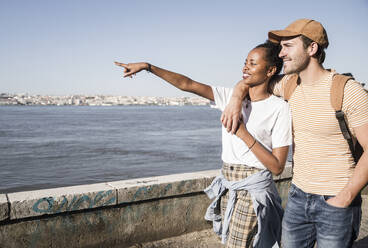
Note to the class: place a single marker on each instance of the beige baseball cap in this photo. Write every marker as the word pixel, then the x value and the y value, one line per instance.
pixel 309 28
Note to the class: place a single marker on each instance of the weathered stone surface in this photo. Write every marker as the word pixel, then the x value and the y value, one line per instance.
pixel 147 209
pixel 201 239
pixel 58 200
pixel 163 186
pixel 4 208
pixel 119 226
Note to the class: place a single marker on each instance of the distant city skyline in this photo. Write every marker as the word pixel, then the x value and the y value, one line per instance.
pixel 99 100
pixel 68 47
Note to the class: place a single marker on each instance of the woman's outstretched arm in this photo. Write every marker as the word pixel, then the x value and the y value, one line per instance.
pixel 179 81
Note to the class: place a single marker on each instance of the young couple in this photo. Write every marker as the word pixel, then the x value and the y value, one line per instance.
pixel 324 203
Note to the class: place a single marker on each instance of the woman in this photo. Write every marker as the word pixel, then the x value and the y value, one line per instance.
pixel 259 147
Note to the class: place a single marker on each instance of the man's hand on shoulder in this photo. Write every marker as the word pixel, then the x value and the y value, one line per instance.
pixel 232 113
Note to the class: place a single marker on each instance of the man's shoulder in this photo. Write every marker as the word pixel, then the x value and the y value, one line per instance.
pixel 353 84
pixel 278 83
pixel 355 90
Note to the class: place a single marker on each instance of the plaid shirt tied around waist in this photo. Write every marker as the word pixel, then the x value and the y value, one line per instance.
pixel 266 202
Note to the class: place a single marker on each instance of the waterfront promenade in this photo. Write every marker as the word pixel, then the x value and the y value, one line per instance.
pixel 208 239
pixel 113 214
pixel 164 211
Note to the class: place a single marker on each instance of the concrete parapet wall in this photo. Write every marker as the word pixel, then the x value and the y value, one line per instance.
pixel 4 209
pixel 59 200
pixel 113 214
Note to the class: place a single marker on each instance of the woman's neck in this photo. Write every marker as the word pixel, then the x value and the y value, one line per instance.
pixel 258 93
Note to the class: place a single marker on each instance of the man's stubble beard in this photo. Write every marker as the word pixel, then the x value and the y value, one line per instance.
pixel 299 65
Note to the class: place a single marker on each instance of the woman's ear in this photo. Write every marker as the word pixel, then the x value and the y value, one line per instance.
pixel 271 71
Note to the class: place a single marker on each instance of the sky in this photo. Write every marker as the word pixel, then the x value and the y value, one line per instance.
pixel 51 47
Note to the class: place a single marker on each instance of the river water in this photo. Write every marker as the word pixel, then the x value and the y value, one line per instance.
pixel 54 146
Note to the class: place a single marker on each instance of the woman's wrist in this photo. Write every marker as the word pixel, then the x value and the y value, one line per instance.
pixel 148 67
pixel 251 146
pixel 243 134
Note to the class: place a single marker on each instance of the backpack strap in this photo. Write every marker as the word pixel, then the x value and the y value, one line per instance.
pixel 336 97
pixel 337 90
pixel 290 86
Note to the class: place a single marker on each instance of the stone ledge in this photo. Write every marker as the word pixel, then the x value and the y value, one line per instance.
pixel 171 185
pixel 66 199
pixel 58 200
pixel 4 209
pixel 163 186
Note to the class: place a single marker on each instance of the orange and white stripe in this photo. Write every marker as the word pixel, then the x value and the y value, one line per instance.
pixel 323 163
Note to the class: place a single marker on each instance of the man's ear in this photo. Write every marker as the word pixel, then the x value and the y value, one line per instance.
pixel 313 48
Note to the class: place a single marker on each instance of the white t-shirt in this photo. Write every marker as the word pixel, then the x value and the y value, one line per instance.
pixel 268 121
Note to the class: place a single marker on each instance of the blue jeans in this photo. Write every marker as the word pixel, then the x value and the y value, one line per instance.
pixel 308 218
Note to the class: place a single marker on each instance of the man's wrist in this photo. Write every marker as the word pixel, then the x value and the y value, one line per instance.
pixel 237 97
pixel 345 196
pixel 241 90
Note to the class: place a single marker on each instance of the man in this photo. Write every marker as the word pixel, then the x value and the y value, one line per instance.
pixel 324 203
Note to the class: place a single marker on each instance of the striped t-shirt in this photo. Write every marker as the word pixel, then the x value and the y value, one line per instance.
pixel 323 162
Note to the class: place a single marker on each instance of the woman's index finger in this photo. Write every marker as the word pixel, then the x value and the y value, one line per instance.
pixel 120 64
